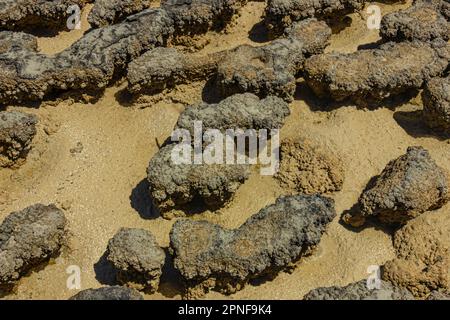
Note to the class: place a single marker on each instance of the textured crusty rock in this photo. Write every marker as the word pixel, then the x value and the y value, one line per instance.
pixel 308 168
pixel 108 293
pixel 106 12
pixel 359 291
pixel 29 238
pixel 137 257
pixel 265 70
pixel 240 111
pixel 211 257
pixel 407 187
pixel 271 69
pixel 198 16
pixel 175 185
pixel 422 262
pixel 423 21
pixel 164 68
pixel 436 104
pixel 17 130
pixel 88 64
pixel 369 76
pixel 26 14
pixel 442 5
pixel 437 295
pixel 281 13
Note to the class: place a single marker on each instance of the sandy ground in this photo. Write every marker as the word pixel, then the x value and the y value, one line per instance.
pixel 102 186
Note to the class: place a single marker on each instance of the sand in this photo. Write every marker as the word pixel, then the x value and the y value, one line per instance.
pixel 101 186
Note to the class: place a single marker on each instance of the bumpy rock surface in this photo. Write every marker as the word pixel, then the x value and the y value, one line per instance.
pixel 89 64
pixel 359 291
pixel 108 293
pixel 281 13
pixel 309 169
pixel 422 262
pixel 164 68
pixel 29 238
pixel 176 185
pixel 137 257
pixel 211 257
pixel 407 187
pixel 423 21
pixel 106 12
pixel 437 295
pixel 436 104
pixel 17 130
pixel 369 76
pixel 241 111
pixel 198 16
pixel 265 70
pixel 442 5
pixel 25 14
pixel 271 69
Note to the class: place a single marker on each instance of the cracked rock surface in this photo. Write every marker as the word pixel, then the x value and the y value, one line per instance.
pixel 211 257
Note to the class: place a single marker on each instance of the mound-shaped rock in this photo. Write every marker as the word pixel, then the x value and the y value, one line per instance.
pixel 422 262
pixel 309 169
pixel 369 76
pixel 407 187
pixel 436 104
pixel 106 12
pixel 108 293
pixel 193 17
pixel 281 13
pixel 423 22
pixel 359 291
pixel 137 257
pixel 164 68
pixel 174 185
pixel 240 111
pixel 29 238
pixel 17 131
pixel 272 69
pixel 211 257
